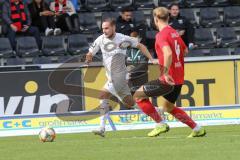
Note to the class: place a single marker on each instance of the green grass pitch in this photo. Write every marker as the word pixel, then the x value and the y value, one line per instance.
pixel 221 143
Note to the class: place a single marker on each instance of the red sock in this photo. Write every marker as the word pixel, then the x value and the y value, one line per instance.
pixel 147 107
pixel 183 117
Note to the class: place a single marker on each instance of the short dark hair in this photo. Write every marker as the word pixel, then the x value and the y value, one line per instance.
pixel 126 9
pixel 173 4
pixel 112 21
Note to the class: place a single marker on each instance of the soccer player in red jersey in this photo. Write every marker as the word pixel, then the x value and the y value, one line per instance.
pixel 170 50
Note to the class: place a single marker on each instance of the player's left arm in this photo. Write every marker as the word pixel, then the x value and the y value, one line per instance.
pixel 186 51
pixel 136 44
pixel 145 51
pixel 185 48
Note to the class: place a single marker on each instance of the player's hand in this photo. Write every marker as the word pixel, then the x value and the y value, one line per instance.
pixel 181 32
pixel 89 58
pixel 169 80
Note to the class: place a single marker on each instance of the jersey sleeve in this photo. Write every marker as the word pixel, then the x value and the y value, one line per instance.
pixel 133 41
pixel 95 46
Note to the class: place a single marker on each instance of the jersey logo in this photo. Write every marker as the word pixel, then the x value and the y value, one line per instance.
pixel 125 44
pixel 110 46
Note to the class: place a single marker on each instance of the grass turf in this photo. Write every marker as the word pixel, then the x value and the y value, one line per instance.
pixel 221 143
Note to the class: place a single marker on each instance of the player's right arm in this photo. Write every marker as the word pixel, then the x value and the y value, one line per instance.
pixel 186 51
pixel 93 49
pixel 167 58
pixel 167 64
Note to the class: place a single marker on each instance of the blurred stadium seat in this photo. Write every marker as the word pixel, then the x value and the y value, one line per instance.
pixel 113 15
pixel 91 37
pixel 5 48
pixel 232 16
pixel 143 4
pixel 119 4
pixel 69 59
pixel 204 38
pixel 167 3
pixel 77 44
pixel 210 17
pixel 141 23
pixel 15 61
pixel 220 3
pixel 139 18
pixel 97 5
pixel 219 52
pixel 237 51
pixel 88 23
pixel 63 59
pixel 227 37
pixel 190 15
pixel 41 60
pixel 27 47
pixel 199 53
pixel 195 3
pixel 53 45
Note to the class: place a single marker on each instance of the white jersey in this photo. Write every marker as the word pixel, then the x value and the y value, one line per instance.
pixel 114 54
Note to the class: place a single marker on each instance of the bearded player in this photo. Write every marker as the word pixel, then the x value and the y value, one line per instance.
pixel 114 47
pixel 170 50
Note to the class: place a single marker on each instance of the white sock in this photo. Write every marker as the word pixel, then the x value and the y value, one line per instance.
pixel 197 128
pixel 103 119
pixel 104 111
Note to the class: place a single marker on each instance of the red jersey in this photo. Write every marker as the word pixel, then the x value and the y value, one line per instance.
pixel 170 37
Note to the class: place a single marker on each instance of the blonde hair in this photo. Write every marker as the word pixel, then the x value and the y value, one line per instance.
pixel 161 13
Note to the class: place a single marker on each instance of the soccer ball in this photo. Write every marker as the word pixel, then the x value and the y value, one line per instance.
pixel 47 135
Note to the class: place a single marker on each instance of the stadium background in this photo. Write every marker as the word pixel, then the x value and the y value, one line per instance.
pixel 212 69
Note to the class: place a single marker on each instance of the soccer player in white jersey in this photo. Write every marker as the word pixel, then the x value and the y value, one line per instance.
pixel 113 47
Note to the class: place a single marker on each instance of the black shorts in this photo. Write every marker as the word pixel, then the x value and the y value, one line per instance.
pixel 157 88
pixel 173 96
